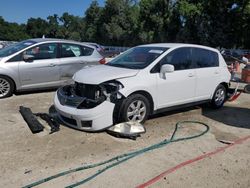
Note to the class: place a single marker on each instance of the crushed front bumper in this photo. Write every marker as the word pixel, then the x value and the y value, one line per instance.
pixel 94 119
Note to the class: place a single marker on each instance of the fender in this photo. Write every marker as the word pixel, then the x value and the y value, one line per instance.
pixel 12 72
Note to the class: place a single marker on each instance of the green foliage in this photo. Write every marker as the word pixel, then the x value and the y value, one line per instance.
pixel 131 22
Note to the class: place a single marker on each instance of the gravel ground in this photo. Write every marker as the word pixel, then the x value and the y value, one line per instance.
pixel 27 157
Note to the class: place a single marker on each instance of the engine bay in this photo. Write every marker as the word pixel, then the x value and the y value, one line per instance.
pixel 86 96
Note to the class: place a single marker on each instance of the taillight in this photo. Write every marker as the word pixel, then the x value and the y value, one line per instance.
pixel 102 61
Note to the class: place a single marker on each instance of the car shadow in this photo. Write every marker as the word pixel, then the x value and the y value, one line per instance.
pixel 35 91
pixel 228 115
pixel 173 112
pixel 232 116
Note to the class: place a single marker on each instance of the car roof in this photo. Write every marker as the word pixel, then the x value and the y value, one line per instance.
pixel 175 45
pixel 38 40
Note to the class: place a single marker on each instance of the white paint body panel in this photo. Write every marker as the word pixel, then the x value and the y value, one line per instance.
pixel 179 87
pixel 101 116
pixel 101 73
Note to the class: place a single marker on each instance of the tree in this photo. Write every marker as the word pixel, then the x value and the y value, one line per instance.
pixel 37 27
pixel 12 31
pixel 92 20
pixel 155 18
pixel 53 26
pixel 119 22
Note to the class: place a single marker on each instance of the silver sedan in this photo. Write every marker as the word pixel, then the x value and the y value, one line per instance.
pixel 43 63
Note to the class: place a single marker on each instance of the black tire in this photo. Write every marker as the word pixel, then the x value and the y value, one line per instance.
pixel 219 97
pixel 6 87
pixel 126 107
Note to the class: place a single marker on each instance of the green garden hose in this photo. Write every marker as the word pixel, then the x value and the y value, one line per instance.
pixel 122 158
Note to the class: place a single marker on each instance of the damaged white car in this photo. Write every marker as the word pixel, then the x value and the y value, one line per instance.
pixel 144 80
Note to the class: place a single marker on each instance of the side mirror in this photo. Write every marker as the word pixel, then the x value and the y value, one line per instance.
pixel 28 58
pixel 167 68
pixel 244 59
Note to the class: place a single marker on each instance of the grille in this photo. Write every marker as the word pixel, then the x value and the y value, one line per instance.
pixel 86 123
pixel 69 120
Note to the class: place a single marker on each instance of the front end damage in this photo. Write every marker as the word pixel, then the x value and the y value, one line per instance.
pixel 86 106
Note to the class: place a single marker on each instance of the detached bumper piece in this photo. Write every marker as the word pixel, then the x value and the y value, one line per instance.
pixel 33 123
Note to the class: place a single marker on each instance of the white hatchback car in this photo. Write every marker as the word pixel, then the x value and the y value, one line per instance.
pixel 144 80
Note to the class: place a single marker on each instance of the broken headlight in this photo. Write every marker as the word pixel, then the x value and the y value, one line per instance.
pixel 111 90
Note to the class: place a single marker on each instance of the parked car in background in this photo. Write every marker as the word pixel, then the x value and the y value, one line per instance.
pixel 143 80
pixel 42 63
pixel 99 47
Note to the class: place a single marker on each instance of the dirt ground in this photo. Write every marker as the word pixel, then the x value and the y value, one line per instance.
pixel 27 157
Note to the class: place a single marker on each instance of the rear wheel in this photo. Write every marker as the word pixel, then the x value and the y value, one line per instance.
pixel 135 108
pixel 6 87
pixel 219 97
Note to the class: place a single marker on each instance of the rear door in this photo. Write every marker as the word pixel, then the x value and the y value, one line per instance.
pixel 179 86
pixel 208 72
pixel 73 58
pixel 43 70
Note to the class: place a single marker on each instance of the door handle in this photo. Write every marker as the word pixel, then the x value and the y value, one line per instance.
pixel 216 72
pixel 83 63
pixel 190 75
pixel 52 65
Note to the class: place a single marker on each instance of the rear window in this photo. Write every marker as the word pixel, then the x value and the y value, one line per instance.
pixel 74 50
pixel 204 58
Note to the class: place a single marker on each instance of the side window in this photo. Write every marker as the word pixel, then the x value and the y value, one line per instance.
pixel 86 51
pixel 180 58
pixel 204 58
pixel 17 57
pixel 43 51
pixel 71 50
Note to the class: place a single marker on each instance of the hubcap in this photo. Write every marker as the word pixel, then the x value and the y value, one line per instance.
pixel 136 111
pixel 4 87
pixel 219 96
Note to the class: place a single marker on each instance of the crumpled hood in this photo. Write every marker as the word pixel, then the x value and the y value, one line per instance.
pixel 102 73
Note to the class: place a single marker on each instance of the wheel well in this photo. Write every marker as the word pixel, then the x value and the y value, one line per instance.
pixel 225 85
pixel 11 80
pixel 148 96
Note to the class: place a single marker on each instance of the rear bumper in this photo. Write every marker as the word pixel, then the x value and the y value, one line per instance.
pixel 94 119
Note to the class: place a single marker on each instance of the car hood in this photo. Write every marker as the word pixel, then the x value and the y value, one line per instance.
pixel 102 73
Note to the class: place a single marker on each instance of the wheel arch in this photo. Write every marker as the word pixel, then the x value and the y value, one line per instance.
pixel 148 96
pixel 120 103
pixel 226 85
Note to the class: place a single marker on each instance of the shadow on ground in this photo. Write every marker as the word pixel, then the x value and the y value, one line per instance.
pixel 232 116
pixel 18 93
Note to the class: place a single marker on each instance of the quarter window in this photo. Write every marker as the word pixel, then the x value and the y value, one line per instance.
pixel 179 58
pixel 86 51
pixel 73 50
pixel 16 58
pixel 205 58
pixel 43 51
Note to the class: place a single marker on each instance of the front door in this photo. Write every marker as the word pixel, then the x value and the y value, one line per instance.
pixel 177 87
pixel 43 70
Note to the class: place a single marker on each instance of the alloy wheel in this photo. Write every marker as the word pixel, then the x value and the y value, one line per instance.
pixel 136 111
pixel 4 87
pixel 219 97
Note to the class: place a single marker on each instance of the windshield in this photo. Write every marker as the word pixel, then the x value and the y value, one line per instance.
pixel 9 50
pixel 137 58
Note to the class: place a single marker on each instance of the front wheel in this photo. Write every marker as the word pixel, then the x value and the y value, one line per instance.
pixel 135 108
pixel 219 97
pixel 6 87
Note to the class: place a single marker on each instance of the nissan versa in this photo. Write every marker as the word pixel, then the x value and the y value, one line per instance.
pixel 144 80
pixel 42 63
